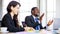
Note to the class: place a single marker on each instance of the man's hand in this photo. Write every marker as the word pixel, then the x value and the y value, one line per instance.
pixel 41 17
pixel 50 22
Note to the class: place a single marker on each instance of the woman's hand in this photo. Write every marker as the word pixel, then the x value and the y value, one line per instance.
pixel 29 29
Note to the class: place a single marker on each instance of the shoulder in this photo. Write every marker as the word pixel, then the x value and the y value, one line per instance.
pixel 6 16
pixel 28 16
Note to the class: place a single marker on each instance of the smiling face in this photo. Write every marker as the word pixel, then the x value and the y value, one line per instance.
pixel 15 9
pixel 36 12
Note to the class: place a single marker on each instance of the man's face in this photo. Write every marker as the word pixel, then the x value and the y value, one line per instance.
pixel 36 12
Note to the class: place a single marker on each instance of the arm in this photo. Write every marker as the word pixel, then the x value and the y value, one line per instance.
pixel 41 17
pixel 49 23
pixel 29 23
pixel 10 27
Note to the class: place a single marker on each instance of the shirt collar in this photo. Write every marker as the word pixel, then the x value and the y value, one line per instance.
pixel 34 17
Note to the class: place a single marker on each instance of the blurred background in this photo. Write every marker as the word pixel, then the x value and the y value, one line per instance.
pixel 51 8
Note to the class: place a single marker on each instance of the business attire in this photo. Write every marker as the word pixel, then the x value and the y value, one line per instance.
pixel 30 22
pixel 8 22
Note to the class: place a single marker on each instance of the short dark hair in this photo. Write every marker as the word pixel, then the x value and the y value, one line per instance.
pixel 12 3
pixel 33 9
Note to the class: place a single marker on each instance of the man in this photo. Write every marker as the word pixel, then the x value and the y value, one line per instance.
pixel 34 20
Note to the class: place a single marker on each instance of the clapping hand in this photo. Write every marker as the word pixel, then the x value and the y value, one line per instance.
pixel 41 17
pixel 50 22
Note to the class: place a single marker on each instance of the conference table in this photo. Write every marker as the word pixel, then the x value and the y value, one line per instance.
pixel 36 32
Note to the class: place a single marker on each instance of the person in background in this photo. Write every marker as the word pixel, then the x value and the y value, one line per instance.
pixel 35 20
pixel 10 19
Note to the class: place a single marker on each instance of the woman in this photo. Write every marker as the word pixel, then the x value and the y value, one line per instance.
pixel 10 19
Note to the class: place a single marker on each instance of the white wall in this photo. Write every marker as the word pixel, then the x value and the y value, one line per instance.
pixel 57 9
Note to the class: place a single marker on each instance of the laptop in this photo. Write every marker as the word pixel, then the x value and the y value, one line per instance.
pixel 56 24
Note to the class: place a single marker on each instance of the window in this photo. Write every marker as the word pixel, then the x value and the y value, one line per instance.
pixel 25 9
pixel 48 7
pixel 51 8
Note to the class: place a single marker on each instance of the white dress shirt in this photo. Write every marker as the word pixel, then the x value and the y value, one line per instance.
pixel 36 17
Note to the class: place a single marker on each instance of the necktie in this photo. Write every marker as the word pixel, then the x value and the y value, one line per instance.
pixel 37 27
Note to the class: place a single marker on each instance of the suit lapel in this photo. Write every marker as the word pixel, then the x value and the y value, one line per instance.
pixel 11 20
pixel 32 19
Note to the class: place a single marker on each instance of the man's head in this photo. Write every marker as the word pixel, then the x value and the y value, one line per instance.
pixel 35 11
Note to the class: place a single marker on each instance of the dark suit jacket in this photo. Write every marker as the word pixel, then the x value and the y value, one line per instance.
pixel 29 20
pixel 9 23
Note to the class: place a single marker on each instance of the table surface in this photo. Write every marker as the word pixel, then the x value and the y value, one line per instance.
pixel 36 32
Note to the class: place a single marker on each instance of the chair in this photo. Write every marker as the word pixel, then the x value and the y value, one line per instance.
pixel 0 23
pixel 24 25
